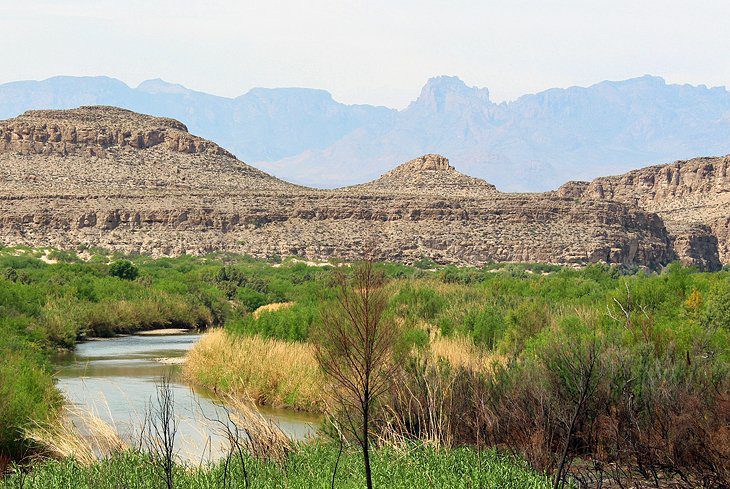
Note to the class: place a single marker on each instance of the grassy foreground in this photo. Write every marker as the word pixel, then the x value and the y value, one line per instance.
pixel 309 466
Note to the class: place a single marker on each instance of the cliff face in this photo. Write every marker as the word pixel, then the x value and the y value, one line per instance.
pixel 692 197
pixel 318 225
pixel 92 130
pixel 105 177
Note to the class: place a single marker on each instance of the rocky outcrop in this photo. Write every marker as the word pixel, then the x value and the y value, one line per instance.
pixel 144 195
pixel 429 173
pixel 338 224
pixel 692 197
pixel 92 130
pixel 696 245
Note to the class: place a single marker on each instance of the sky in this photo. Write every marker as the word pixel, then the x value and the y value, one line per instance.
pixel 377 52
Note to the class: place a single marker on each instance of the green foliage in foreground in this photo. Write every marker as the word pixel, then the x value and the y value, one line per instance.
pixel 310 466
pixel 27 393
pixel 512 310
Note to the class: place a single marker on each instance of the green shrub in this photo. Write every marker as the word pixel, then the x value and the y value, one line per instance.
pixel 418 303
pixel 124 269
pixel 717 310
pixel 425 263
pixel 485 326
pixel 27 392
pixel 522 323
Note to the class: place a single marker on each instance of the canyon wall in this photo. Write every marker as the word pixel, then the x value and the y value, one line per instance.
pixel 110 178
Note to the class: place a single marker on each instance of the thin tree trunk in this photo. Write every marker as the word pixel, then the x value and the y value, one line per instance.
pixel 366 448
pixel 585 387
pixel 559 475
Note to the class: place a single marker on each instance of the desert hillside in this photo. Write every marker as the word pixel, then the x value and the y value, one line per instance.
pixel 534 142
pixel 112 178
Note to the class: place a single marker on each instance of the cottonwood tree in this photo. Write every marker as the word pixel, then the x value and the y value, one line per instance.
pixel 354 347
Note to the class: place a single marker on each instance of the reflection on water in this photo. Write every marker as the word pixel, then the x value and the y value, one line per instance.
pixel 117 380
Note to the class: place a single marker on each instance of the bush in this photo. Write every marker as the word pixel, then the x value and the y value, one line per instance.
pixel 717 312
pixel 485 326
pixel 522 323
pixel 291 323
pixel 27 392
pixel 418 303
pixel 425 263
pixel 251 299
pixel 124 269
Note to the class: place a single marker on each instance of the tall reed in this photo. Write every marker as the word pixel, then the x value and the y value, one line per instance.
pixel 271 372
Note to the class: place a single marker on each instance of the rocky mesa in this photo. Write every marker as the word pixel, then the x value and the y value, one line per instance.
pixel 692 197
pixel 107 177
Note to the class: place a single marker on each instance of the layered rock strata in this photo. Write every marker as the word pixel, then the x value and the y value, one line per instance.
pixel 692 197
pixel 105 177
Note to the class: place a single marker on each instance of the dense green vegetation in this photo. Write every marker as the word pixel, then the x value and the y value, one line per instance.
pixel 658 343
pixel 308 466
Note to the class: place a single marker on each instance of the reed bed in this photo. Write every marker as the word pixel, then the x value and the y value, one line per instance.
pixel 263 439
pixel 306 466
pixel 79 435
pixel 271 372
pixel 460 352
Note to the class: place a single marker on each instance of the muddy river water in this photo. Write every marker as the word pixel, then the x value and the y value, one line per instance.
pixel 117 379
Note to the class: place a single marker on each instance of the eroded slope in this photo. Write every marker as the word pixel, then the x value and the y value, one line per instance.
pixel 692 197
pixel 101 176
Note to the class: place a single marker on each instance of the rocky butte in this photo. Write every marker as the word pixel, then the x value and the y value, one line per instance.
pixel 692 197
pixel 111 178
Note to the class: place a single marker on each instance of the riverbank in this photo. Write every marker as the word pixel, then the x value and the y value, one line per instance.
pixel 571 369
pixel 48 306
pixel 282 373
pixel 270 372
pixel 117 380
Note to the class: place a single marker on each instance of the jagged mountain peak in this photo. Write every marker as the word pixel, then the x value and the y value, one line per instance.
pixel 306 136
pixel 444 92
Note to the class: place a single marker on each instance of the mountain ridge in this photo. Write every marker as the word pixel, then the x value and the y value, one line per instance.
pixel 533 143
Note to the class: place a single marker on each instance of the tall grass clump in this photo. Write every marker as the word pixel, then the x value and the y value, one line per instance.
pixel 271 372
pixel 27 393
pixel 76 434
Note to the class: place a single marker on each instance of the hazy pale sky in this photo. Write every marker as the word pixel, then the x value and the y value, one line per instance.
pixel 378 52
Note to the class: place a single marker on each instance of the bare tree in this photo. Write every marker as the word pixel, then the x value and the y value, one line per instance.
pixel 161 431
pixel 354 347
pixel 577 369
pixel 235 437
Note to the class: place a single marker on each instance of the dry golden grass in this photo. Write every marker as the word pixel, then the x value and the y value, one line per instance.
pixel 285 374
pixel 78 434
pixel 264 439
pixel 271 372
pixel 460 352
pixel 271 308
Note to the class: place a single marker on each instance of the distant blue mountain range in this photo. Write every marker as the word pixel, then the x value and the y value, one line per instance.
pixel 533 143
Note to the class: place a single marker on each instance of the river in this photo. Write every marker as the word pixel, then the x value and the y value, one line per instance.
pixel 117 378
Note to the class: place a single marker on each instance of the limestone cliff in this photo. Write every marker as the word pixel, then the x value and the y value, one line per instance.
pixel 101 176
pixel 692 197
pixel 92 130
